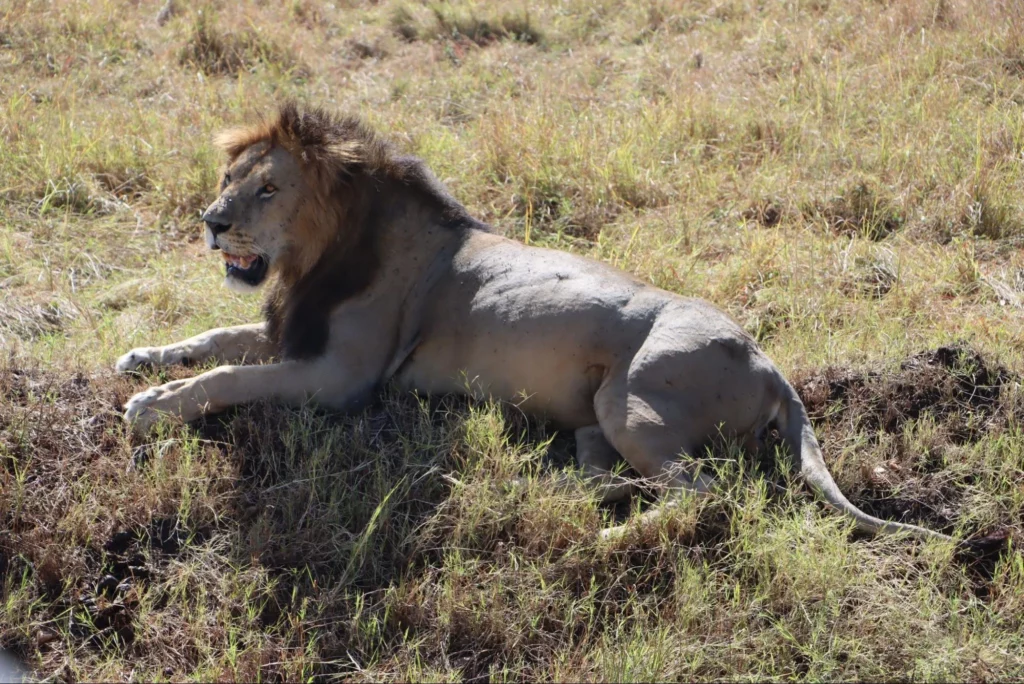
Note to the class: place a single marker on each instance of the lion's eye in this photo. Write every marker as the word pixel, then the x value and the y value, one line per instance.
pixel 267 190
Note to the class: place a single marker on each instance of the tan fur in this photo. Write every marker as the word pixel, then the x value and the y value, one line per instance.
pixel 381 276
pixel 317 213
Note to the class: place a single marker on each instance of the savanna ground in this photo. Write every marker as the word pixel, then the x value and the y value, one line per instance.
pixel 843 177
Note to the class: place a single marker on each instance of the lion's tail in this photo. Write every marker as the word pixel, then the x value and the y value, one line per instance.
pixel 796 431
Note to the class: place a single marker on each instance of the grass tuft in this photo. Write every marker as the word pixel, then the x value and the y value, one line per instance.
pixel 863 211
pixel 460 25
pixel 215 52
pixel 404 24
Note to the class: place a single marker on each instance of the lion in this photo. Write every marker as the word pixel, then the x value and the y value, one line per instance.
pixel 379 275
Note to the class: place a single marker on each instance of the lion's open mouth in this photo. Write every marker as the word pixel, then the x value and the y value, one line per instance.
pixel 251 269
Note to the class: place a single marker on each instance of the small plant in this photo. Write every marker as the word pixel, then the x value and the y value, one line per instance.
pixel 404 24
pixel 214 52
pixel 483 31
pixel 987 215
pixel 861 211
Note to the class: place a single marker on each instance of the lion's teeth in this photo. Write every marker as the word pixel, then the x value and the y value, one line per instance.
pixel 238 261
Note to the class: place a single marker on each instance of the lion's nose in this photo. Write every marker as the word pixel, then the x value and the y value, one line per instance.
pixel 216 227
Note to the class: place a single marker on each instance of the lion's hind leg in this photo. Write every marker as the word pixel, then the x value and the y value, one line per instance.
pixel 597 460
pixel 653 443
pixel 598 463
pixel 674 482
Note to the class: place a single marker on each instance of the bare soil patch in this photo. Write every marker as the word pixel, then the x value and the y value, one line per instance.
pixel 963 396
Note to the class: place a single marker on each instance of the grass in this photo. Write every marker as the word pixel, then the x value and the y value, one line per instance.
pixel 843 178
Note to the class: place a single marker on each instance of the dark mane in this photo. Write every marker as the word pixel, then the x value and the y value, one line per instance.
pixel 359 181
pixel 338 148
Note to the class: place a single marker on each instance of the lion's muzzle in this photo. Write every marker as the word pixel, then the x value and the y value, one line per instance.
pixel 250 269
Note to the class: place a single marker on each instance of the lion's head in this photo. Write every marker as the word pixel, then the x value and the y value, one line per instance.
pixel 311 197
pixel 249 222
pixel 279 204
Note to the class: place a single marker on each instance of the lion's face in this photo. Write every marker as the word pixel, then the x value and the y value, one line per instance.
pixel 251 221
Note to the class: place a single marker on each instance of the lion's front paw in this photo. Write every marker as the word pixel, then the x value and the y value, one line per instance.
pixel 135 359
pixel 144 409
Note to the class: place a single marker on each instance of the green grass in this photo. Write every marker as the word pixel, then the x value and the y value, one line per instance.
pixel 844 178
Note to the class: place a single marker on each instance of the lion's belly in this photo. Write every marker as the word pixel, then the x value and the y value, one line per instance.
pixel 550 383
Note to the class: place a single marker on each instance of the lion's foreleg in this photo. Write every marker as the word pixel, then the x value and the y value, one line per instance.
pixel 239 343
pixel 292 382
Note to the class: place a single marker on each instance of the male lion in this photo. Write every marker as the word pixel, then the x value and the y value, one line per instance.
pixel 381 275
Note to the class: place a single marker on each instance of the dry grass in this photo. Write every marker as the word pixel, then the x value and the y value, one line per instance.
pixel 844 178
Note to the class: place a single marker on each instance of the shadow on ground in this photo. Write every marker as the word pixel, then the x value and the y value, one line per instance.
pixel 347 518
